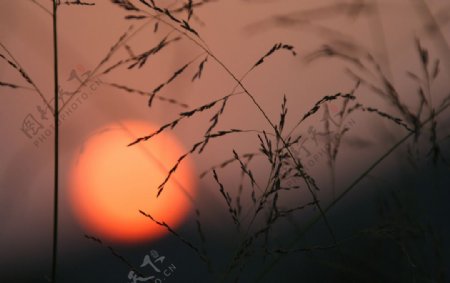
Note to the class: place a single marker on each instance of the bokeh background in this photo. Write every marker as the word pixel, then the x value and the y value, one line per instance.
pixel 410 193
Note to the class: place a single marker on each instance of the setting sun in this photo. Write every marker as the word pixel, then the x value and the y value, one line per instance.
pixel 110 182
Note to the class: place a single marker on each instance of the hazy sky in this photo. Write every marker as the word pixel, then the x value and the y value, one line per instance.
pixel 238 32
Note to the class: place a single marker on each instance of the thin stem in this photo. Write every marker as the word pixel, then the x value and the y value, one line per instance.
pixel 56 145
pixel 379 39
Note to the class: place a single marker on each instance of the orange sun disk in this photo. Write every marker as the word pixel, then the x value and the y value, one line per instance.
pixel 110 182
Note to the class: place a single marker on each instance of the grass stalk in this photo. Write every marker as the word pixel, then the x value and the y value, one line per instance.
pixel 56 144
pixel 366 173
pixel 434 29
pixel 239 83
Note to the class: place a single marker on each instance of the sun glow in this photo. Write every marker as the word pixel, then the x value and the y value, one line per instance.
pixel 110 182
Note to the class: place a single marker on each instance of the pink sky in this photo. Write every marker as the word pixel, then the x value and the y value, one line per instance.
pixel 239 33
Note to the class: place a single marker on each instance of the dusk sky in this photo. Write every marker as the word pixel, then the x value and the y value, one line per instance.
pixel 394 55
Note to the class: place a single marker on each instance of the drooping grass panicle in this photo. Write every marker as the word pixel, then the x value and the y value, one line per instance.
pixel 76 2
pixel 190 9
pixel 363 81
pixel 423 54
pixel 196 147
pixel 228 200
pixel 190 5
pixel 129 50
pixel 116 45
pixel 396 120
pixel 329 51
pixel 114 253
pixel 188 27
pixel 214 120
pixel 182 115
pixel 135 17
pixel 199 72
pixel 149 4
pixel 14 86
pixel 325 99
pixel 223 133
pixel 342 130
pixel 16 66
pixel 171 79
pixel 126 4
pixel 345 104
pixel 93 74
pixel 266 147
pixel 318 104
pixel 310 17
pixel 383 86
pixel 206 106
pixel 171 125
pixel 276 158
pixel 143 93
pixel 283 114
pixel 225 163
pixel 174 169
pixel 245 169
pixel 425 86
pixel 177 235
pixel 435 69
pixel 169 14
pixel 180 23
pixel 275 48
pixel 390 92
pixel 142 58
pixel 248 159
pixel 308 179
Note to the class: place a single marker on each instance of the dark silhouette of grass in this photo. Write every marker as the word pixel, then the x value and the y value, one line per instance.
pixel 255 224
pixel 15 64
pixel 56 143
pixel 276 150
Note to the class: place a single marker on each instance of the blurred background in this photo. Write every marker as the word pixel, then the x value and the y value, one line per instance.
pixel 391 226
